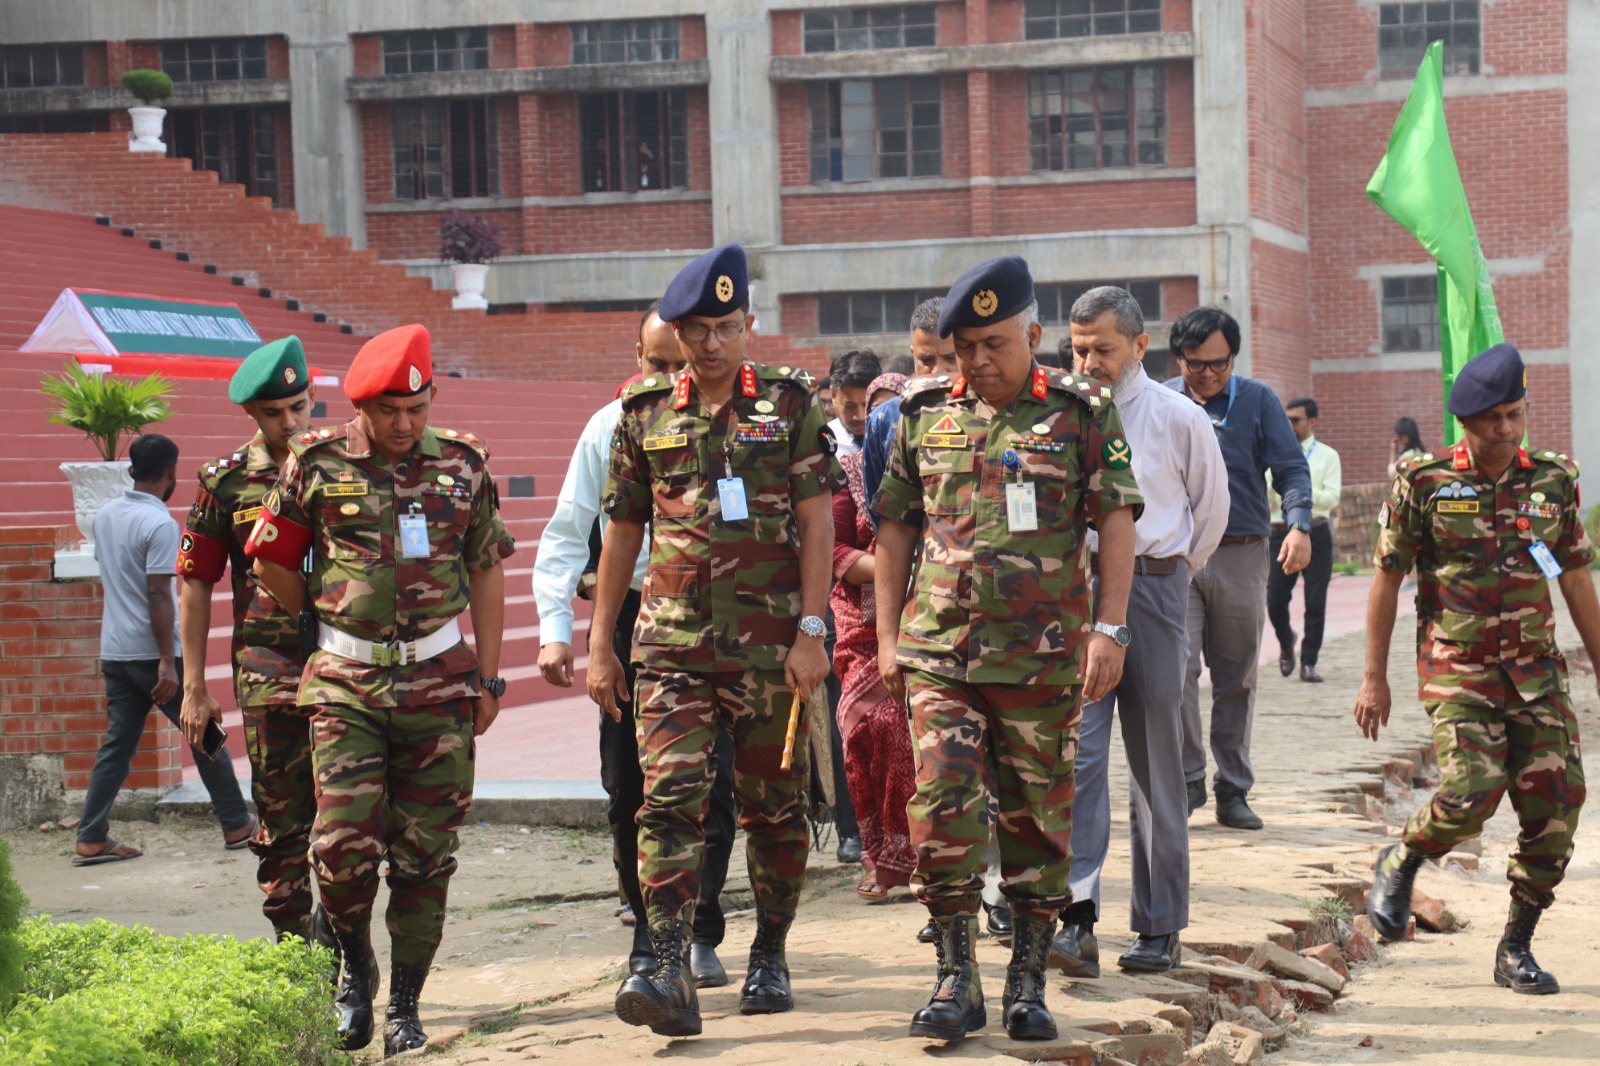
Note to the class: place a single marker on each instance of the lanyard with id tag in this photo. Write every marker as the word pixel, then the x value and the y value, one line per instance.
pixel 730 489
pixel 1545 559
pixel 1022 506
pixel 413 534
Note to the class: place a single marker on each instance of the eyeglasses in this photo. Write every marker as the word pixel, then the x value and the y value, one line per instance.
pixel 695 332
pixel 1295 420
pixel 1214 366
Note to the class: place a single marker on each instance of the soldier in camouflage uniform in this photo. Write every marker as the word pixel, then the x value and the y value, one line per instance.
pixel 275 389
pixel 996 477
pixel 402 520
pixel 731 464
pixel 1488 525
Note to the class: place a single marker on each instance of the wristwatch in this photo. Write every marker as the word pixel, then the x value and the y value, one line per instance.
pixel 1302 526
pixel 812 626
pixel 1121 634
pixel 494 686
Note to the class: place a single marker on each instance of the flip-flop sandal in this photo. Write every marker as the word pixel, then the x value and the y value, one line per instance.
pixel 871 891
pixel 244 841
pixel 112 852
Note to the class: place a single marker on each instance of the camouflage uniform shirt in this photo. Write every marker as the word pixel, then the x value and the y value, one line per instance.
pixel 342 488
pixel 266 644
pixel 991 605
pixel 1484 623
pixel 719 595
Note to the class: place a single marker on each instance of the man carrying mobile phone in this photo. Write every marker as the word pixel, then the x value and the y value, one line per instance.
pixel 274 388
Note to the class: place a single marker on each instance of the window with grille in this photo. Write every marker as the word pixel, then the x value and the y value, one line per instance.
pixel 625 41
pixel 41 66
pixel 1056 299
pixel 1102 117
pixel 888 128
pixel 1046 19
pixel 857 29
pixel 844 313
pixel 1405 31
pixel 236 59
pixel 445 150
pixel 426 51
pixel 239 144
pixel 633 142
pixel 1411 314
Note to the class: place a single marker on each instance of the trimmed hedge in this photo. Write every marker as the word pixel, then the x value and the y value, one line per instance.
pixel 12 904
pixel 103 993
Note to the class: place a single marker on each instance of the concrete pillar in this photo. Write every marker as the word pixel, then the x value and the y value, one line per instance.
pixel 1583 217
pixel 745 172
pixel 326 130
pixel 1222 157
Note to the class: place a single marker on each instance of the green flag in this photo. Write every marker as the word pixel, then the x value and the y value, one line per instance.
pixel 1419 186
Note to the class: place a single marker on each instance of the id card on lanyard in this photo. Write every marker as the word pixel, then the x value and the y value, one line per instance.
pixel 730 489
pixel 413 535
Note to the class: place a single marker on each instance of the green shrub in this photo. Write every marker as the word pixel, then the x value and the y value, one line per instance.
pixel 149 86
pixel 12 904
pixel 1592 524
pixel 103 993
pixel 104 408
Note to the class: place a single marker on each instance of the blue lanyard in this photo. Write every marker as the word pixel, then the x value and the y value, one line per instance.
pixel 1233 391
pixel 1311 449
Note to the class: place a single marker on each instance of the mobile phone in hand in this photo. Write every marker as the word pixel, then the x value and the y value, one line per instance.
pixel 215 736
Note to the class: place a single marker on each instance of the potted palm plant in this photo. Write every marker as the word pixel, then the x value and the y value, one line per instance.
pixel 151 87
pixel 105 410
pixel 469 244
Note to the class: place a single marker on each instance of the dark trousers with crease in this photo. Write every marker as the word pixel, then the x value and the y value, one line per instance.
pixel 1280 588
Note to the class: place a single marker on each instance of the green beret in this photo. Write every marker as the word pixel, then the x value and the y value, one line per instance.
pixel 271 372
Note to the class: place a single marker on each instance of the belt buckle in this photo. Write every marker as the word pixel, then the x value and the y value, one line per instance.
pixel 388 653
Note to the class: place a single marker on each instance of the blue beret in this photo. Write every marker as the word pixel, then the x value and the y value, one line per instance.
pixel 1492 378
pixel 714 285
pixel 990 292
pixel 271 372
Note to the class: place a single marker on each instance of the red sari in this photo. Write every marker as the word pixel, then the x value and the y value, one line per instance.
pixel 879 768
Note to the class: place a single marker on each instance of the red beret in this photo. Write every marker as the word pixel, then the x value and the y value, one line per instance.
pixel 397 362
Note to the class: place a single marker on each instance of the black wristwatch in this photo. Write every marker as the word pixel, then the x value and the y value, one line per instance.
pixel 494 686
pixel 1301 526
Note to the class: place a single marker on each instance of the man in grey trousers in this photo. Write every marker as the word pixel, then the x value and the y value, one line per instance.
pixel 1180 470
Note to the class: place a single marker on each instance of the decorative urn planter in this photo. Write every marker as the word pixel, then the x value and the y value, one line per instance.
pixel 469 279
pixel 93 484
pixel 147 129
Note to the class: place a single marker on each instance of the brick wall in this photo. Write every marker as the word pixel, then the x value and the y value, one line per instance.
pixel 52 697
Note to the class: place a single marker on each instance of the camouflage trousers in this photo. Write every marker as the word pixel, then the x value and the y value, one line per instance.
pixel 393 783
pixel 278 740
pixel 678 716
pixel 1530 749
pixel 1027 737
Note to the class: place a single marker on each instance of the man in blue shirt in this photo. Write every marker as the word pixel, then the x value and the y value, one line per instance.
pixel 1228 598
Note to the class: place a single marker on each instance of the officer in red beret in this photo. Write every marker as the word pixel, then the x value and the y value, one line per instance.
pixel 402 522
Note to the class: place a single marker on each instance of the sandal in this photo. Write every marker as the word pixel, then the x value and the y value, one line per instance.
pixel 240 838
pixel 110 852
pixel 871 891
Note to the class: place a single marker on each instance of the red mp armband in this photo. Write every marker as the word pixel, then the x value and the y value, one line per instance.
pixel 201 557
pixel 278 540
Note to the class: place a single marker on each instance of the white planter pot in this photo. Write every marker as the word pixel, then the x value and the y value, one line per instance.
pixel 146 136
pixel 469 279
pixel 92 485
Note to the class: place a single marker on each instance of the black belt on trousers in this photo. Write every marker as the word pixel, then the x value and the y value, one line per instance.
pixel 1143 564
pixel 1248 538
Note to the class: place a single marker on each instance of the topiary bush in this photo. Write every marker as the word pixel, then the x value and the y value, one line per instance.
pixel 12 904
pixel 150 86
pixel 465 238
pixel 103 993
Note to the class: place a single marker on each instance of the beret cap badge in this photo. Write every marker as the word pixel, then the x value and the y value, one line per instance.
pixel 288 375
pixel 985 302
pixel 724 288
pixel 415 378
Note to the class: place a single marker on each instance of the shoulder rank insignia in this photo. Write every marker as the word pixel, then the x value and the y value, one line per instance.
pixel 747 381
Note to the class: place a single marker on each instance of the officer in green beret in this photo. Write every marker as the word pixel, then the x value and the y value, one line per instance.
pixel 275 389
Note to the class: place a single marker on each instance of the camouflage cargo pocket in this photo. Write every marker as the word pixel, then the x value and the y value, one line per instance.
pixel 675 482
pixel 1054 476
pixel 1455 635
pixel 350 527
pixel 936 616
pixel 670 610
pixel 948 481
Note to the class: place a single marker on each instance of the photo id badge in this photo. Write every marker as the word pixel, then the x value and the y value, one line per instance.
pixel 413 536
pixel 1545 559
pixel 730 490
pixel 1022 511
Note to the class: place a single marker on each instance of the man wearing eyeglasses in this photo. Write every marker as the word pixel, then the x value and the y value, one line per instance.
pixel 1326 479
pixel 1228 598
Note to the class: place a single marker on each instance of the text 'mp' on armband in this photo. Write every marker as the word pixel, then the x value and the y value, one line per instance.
pixel 278 540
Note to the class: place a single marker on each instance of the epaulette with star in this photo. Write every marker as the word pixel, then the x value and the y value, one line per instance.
pixel 213 473
pixel 919 392
pixel 787 374
pixel 1412 463
pixel 650 383
pixel 472 440
pixel 1566 462
pixel 312 438
pixel 1087 389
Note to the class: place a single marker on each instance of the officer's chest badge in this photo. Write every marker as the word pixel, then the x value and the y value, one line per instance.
pixel 1034 442
pixel 1457 497
pixel 1537 508
pixel 758 432
pixel 946 433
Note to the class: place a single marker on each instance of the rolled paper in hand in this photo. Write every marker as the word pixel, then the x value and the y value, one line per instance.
pixel 794 725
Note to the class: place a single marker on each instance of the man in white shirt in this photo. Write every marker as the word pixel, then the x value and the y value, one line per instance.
pixel 1179 467
pixel 849 377
pixel 1326 478
pixel 563 555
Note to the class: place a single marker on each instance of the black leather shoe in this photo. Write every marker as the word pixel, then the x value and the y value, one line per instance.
pixel 766 987
pixel 705 967
pixel 1514 965
pixel 1152 954
pixel 1026 1017
pixel 999 920
pixel 1285 660
pixel 956 1007
pixel 358 987
pixel 1197 795
pixel 849 850
pixel 1309 673
pixel 642 957
pixel 402 1029
pixel 1075 951
pixel 1389 899
pixel 664 1000
pixel 928 934
pixel 1233 811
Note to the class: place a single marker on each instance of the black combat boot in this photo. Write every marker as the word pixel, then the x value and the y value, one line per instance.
pixel 766 988
pixel 299 929
pixel 402 1030
pixel 1026 1017
pixel 322 936
pixel 358 987
pixel 956 1007
pixel 642 957
pixel 1514 965
pixel 665 1000
pixel 1389 899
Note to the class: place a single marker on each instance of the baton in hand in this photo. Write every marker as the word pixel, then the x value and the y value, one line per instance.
pixel 794 725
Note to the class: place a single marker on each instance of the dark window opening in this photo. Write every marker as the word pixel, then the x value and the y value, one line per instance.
pixel 889 128
pixel 633 142
pixel 845 313
pixel 239 144
pixel 1045 19
pixel 445 150
pixel 858 29
pixel 1411 314
pixel 625 41
pixel 1406 30
pixel 41 66
pixel 427 51
pixel 1092 119
pixel 1056 299
pixel 234 59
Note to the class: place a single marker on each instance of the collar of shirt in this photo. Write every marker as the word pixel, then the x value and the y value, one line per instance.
pixel 146 499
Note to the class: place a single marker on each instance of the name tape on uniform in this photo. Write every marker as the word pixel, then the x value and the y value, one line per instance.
pixel 351 488
pixel 658 444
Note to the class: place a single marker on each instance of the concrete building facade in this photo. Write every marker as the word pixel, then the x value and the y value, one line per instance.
pixel 866 152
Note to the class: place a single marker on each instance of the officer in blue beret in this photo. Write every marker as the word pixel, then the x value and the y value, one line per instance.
pixel 990 292
pixel 1492 378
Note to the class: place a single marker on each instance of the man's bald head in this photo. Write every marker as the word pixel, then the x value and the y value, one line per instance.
pixel 658 348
